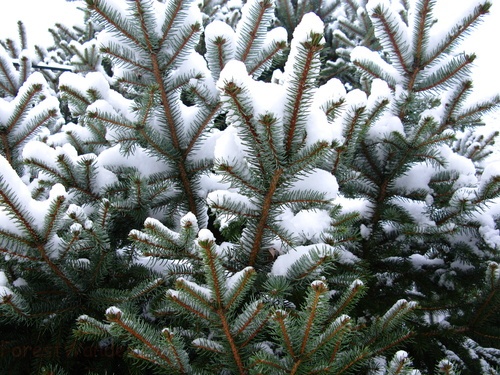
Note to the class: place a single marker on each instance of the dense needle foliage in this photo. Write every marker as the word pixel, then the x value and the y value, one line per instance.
pixel 273 187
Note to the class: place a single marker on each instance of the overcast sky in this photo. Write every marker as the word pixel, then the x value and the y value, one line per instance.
pixel 39 15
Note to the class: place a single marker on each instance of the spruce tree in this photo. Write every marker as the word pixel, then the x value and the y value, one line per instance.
pixel 282 187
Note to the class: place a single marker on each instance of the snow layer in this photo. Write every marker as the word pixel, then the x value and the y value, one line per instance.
pixel 207 293
pixel 320 181
pixel 368 57
pixel 283 263
pixel 236 277
pixel 113 310
pixel 307 225
pixel 310 24
pixel 206 235
pixel 31 210
pixel 4 289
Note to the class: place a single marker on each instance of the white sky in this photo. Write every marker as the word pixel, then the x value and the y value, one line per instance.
pixel 39 15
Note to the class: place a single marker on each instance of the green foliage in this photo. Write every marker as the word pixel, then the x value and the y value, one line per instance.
pixel 282 187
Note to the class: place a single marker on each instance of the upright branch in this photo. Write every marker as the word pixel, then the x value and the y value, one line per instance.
pixel 157 51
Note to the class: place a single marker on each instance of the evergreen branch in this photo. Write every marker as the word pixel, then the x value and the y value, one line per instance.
pixel 208 345
pixel 287 12
pixel 21 110
pixel 299 91
pixel 187 307
pixel 495 290
pixel 269 362
pixel 267 57
pixel 243 118
pixel 186 81
pixel 426 125
pixel 331 108
pixel 173 14
pixel 302 7
pixel 67 168
pixel 229 337
pixel 181 49
pixel 486 336
pixel 341 36
pixel 265 212
pixel 395 41
pixel 202 96
pixel 479 109
pixel 15 254
pixel 234 209
pixel 459 31
pixel 302 198
pixel 258 307
pixel 57 271
pixel 158 147
pixel 69 245
pixel 133 80
pixel 17 213
pixel 88 328
pixel 217 57
pixel 353 28
pixel 76 96
pixel 51 218
pixel 213 271
pixel 394 343
pixel 454 103
pixel 122 56
pixel 10 300
pixel 281 234
pixel 445 75
pixel 171 121
pixel 371 71
pixel 423 22
pixel 49 170
pixel 66 32
pixel 99 267
pixel 24 68
pixel 113 19
pixel 318 289
pixel 142 14
pixel 268 121
pixel 236 175
pixel 117 319
pixel 252 30
pixel 307 264
pixel 201 129
pixel 351 120
pixel 69 180
pixel 234 294
pixel 108 119
pixel 375 111
pixel 137 354
pixel 337 328
pixel 279 317
pixel 355 358
pixel 147 107
pixel 306 159
pixel 7 152
pixel 391 317
pixel 11 48
pixel 354 292
pixel 216 281
pixel 189 289
pixel 88 59
pixel 88 167
pixel 8 73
